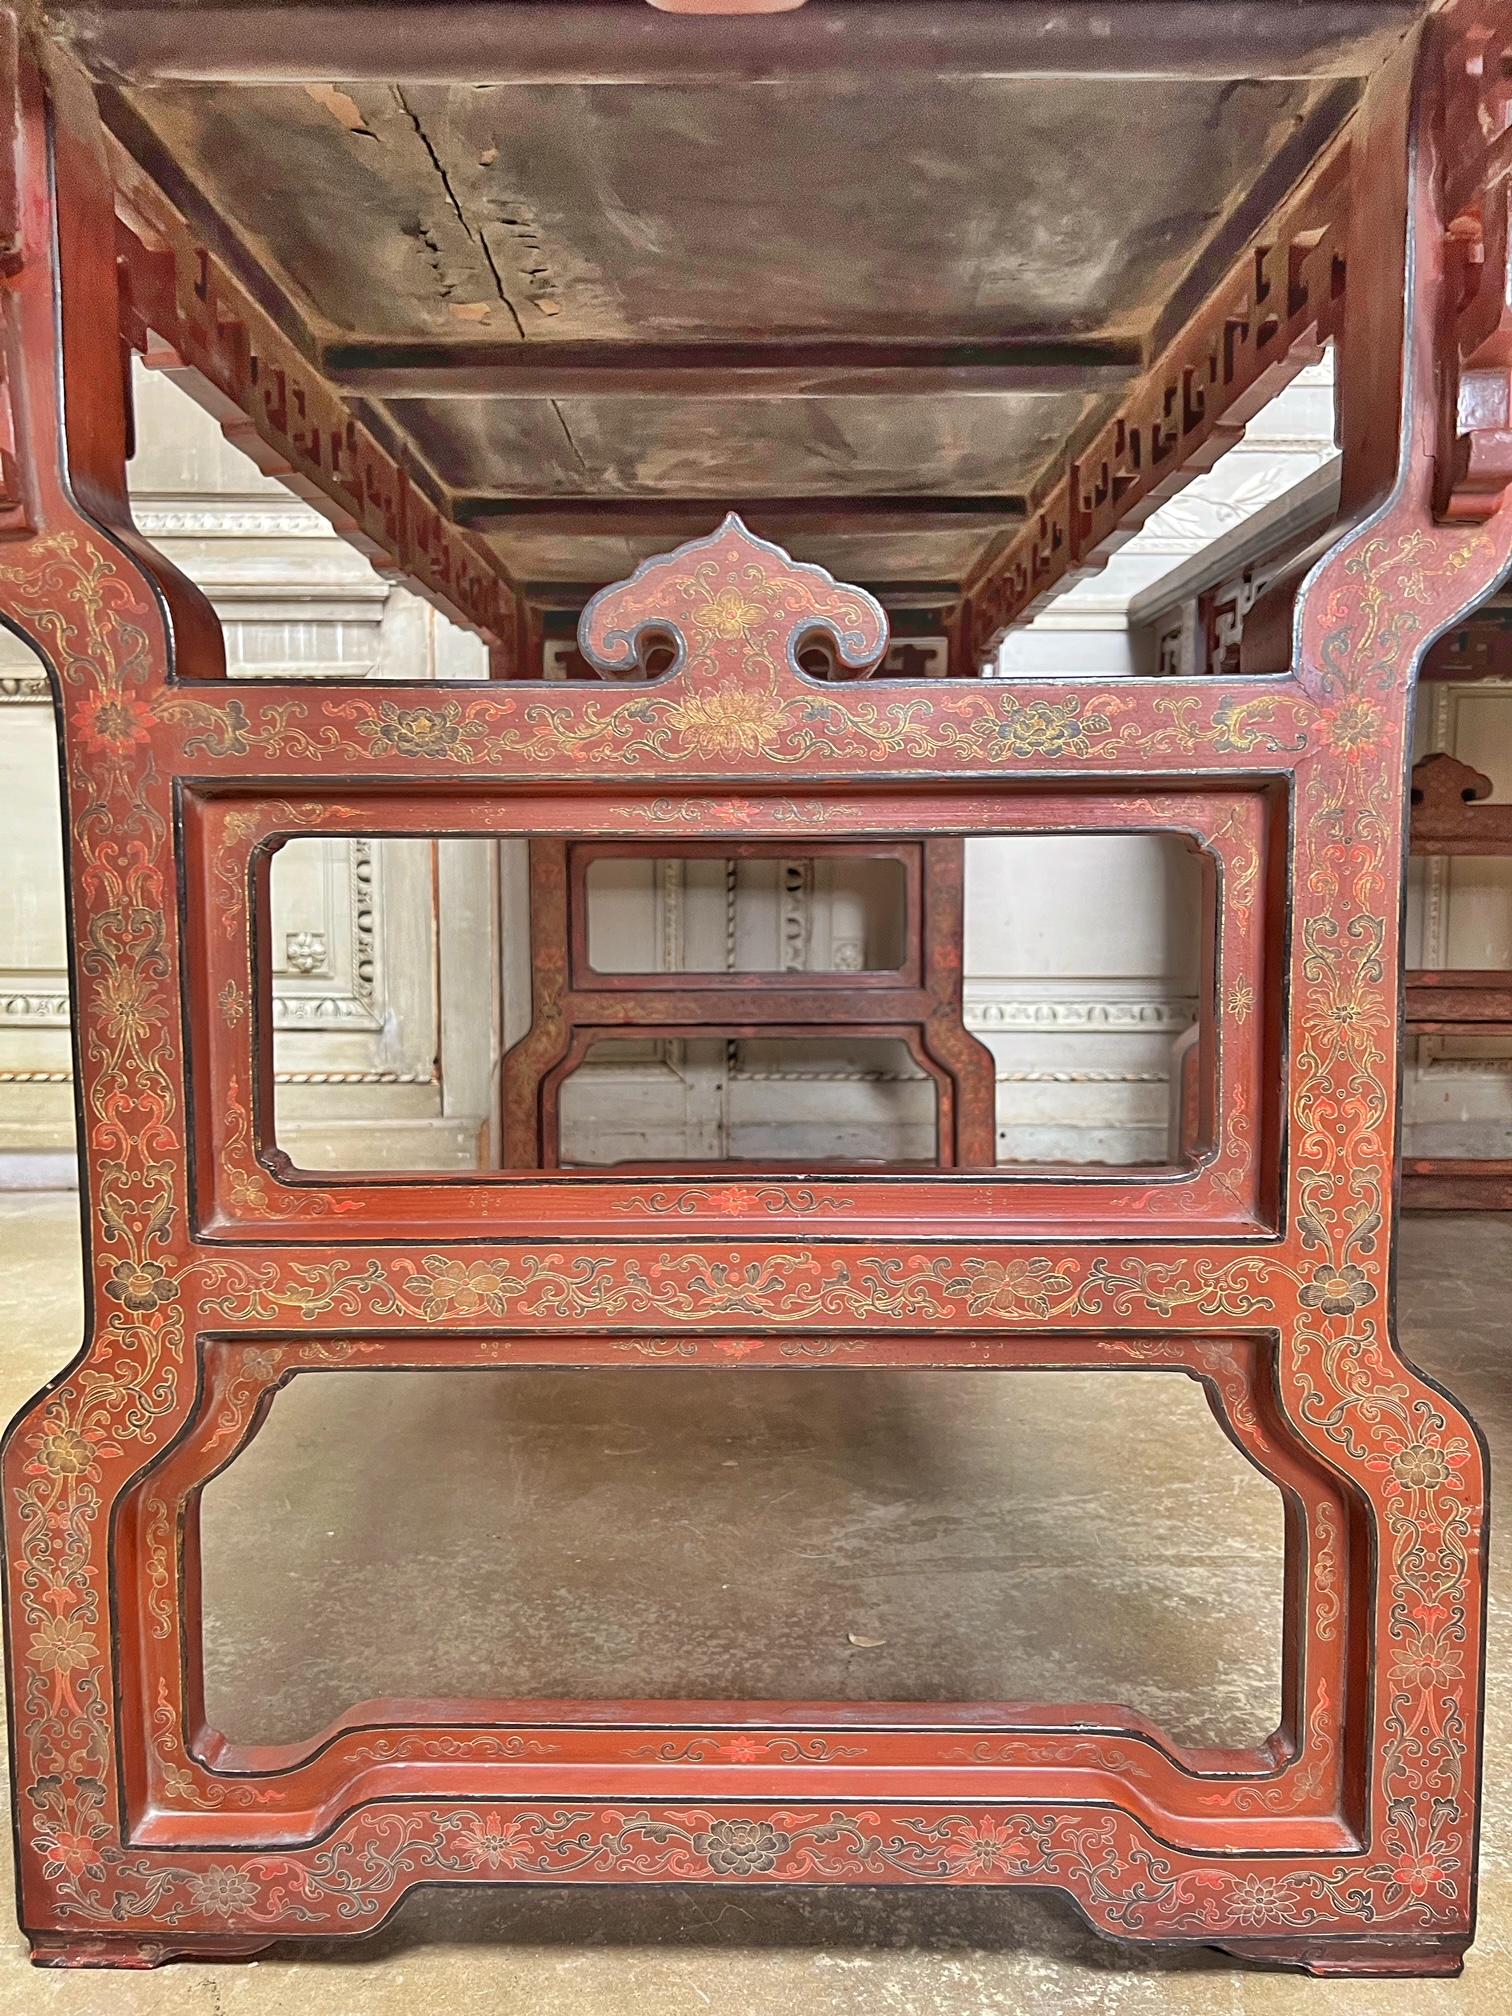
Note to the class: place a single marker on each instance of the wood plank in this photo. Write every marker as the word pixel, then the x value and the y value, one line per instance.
pixel 600 42
pixel 831 370
pixel 678 517
pixel 569 597
pixel 1459 1004
pixel 1279 302
pixel 1445 1183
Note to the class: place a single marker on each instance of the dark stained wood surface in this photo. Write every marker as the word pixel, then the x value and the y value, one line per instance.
pixel 615 41
pixel 593 252
pixel 803 368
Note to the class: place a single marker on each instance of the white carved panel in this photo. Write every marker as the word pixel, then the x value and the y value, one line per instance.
pixel 36 1060
pixel 722 914
pixel 324 935
pixel 1457 1090
pixel 710 1099
pixel 1082 958
pixel 358 991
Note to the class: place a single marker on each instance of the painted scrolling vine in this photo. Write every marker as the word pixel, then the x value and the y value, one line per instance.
pixel 736 715
pixel 1323 1290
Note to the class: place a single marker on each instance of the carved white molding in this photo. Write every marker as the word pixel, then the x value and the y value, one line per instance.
pixel 259 550
pixel 1192 521
pixel 65 1077
pixel 1088 1077
pixel 670 890
pixel 1433 1064
pixel 795 919
pixel 838 1077
pixel 33 1000
pixel 1470 1067
pixel 231 519
pixel 316 1011
pixel 1106 612
pixel 353 1007
pixel 1074 1013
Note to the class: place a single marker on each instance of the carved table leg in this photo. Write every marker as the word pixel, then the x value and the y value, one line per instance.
pixel 1382 1959
pixel 50 1949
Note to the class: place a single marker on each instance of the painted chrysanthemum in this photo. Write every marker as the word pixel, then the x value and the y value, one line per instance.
pixel 62 1645
pixel 1259 1900
pixel 64 1452
pixel 222 1891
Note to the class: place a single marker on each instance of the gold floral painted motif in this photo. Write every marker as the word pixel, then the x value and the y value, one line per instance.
pixel 1343 1380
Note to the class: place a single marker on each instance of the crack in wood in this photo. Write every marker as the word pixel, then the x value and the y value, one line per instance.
pixel 478 238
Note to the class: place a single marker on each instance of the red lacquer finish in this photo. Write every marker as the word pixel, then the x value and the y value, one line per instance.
pixel 246 1191
pixel 1347 1842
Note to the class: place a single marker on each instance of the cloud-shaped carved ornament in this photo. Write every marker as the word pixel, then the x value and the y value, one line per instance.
pixel 729 604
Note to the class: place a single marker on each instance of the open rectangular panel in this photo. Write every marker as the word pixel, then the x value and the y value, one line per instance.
pixel 196 1783
pixel 811 1533
pixel 1064 975
pixel 803 1098
pixel 1225 1148
pixel 758 924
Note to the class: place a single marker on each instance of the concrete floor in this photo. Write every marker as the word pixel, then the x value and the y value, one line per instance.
pixel 1078 1536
